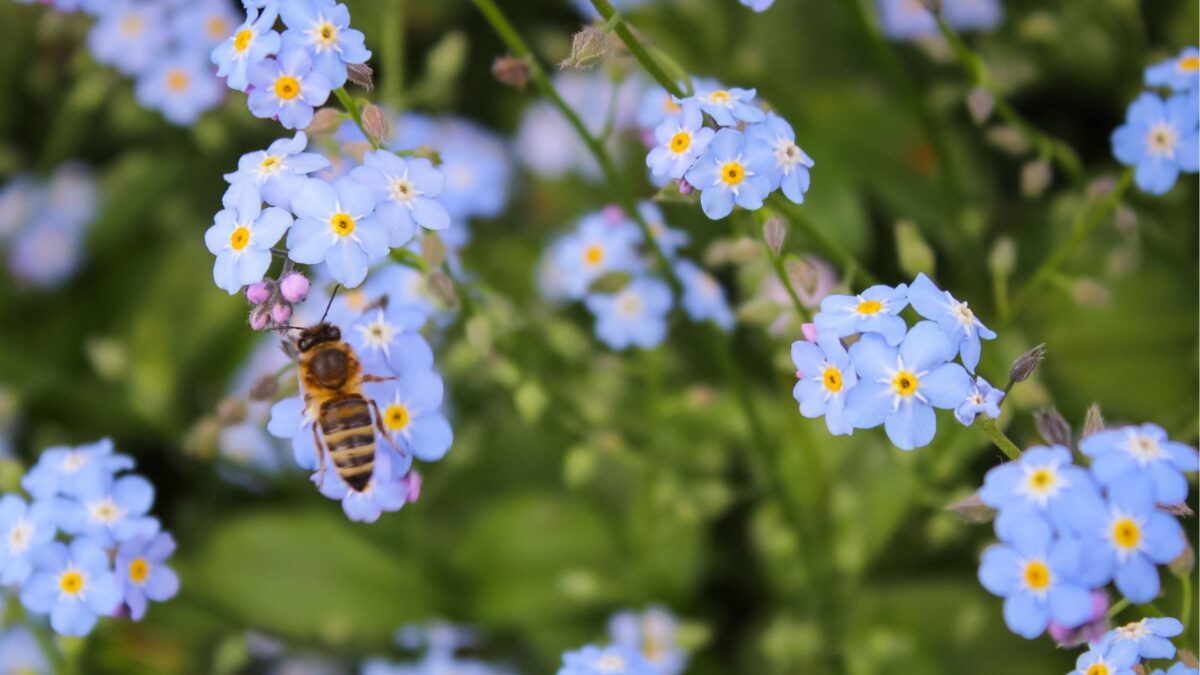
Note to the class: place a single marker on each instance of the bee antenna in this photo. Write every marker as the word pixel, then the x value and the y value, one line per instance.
pixel 331 297
pixel 287 328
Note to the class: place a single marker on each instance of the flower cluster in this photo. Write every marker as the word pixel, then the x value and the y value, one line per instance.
pixel 1161 137
pixel 893 375
pixel 1066 531
pixel 606 250
pixel 441 643
pixel 44 224
pixel 643 643
pixel 912 19
pixel 1124 647
pixel 162 45
pixel 381 321
pixel 110 557
pixel 720 142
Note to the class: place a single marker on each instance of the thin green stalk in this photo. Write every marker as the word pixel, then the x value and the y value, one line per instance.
pixel 639 51
pixel 352 108
pixel 998 438
pixel 1118 607
pixel 392 49
pixel 780 270
pixel 1085 223
pixel 1048 146
pixel 832 247
pixel 1185 609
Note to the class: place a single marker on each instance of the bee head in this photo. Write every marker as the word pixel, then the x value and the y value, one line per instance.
pixel 315 335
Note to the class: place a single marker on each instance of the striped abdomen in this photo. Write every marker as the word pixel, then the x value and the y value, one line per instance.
pixel 349 436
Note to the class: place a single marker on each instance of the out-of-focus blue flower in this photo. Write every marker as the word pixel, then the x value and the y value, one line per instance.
pixel 476 167
pixel 1036 484
pixel 20 198
pixel 968 15
pixel 23 530
pixel 290 420
pixel 1150 636
pixel 727 107
pixel 1037 577
pixel 406 191
pixel 682 139
pixel 409 410
pixel 387 341
pixel 20 653
pixel 703 298
pixel 610 660
pixel 1142 453
pixel 143 574
pixel 899 388
pixel 287 88
pixel 112 511
pixel 669 240
pixel 653 633
pixel 279 170
pixel 63 470
pixel 603 243
pixel 1181 73
pixel 791 164
pixel 1124 538
pixel 905 19
pixel 73 584
pixel 730 172
pixel 215 18
pixel 336 225
pixel 384 493
pixel 1159 139
pixel 322 28
pixel 181 87
pixel 248 445
pixel 958 321
pixel 637 315
pixel 982 399
pixel 47 223
pixel 826 376
pixel 399 285
pixel 129 35
pixel 250 44
pixel 1177 668
pixel 758 5
pixel 46 252
pixel 1106 658
pixel 242 236
pixel 656 105
pixel 875 310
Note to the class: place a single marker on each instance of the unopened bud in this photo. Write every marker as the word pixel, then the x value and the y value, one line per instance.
pixel 809 331
pixel 1092 422
pixel 1185 562
pixel 1035 177
pixel 511 71
pixel 1101 187
pixel 1091 293
pixel 685 188
pixel 442 288
pixel 1189 659
pixel 1125 219
pixel 412 480
pixel 294 287
pixel 259 292
pixel 259 317
pixel 362 75
pixel 231 411
pixel 972 509
pixel 1052 427
pixel 1026 363
pixel 433 250
pixel 774 233
pixel 1092 629
pixel 375 121
pixel 356 149
pixel 264 388
pixel 1008 138
pixel 281 312
pixel 1003 257
pixel 325 119
pixel 587 48
pixel 980 103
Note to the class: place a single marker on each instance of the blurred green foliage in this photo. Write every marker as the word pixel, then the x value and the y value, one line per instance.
pixel 583 481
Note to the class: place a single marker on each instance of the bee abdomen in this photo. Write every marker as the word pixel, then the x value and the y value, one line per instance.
pixel 350 438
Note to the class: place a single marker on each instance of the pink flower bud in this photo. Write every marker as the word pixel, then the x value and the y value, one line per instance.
pixel 281 312
pixel 613 215
pixel 799 375
pixel 685 188
pixel 259 318
pixel 809 330
pixel 413 482
pixel 258 293
pixel 294 287
pixel 1093 629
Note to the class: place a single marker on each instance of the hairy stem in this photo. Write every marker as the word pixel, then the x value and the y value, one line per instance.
pixel 352 108
pixel 998 438
pixel 392 48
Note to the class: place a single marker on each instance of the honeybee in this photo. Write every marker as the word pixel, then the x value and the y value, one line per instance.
pixel 332 379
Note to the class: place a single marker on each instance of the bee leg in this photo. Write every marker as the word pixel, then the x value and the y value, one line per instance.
pixel 379 378
pixel 320 457
pixel 379 425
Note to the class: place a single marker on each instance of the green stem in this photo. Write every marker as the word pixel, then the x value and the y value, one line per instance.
pixel 832 247
pixel 639 51
pixel 392 49
pixel 976 68
pixel 1185 608
pixel 988 426
pixel 1118 607
pixel 781 271
pixel 1085 223
pixel 352 108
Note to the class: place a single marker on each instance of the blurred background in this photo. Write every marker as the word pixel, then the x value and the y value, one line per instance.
pixel 583 481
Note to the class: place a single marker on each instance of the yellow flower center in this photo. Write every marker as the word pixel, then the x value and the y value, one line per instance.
pixel 287 87
pixel 1189 64
pixel 1042 480
pixel 241 41
pixel 611 663
pixel 270 164
pixel 670 105
pixel 239 238
pixel 177 80
pixel 1037 575
pixel 403 190
pixel 326 34
pixel 1162 139
pixel 131 25
pixel 733 173
pixel 719 96
pixel 106 511
pixel 71 582
pixel 680 141
pixel 217 27
pixel 1126 533
pixel 1097 669
pixel 905 383
pixel 342 224
pixel 139 569
pixel 19 535
pixel 396 417
pixel 629 304
pixel 593 255
pixel 832 379
pixel 870 307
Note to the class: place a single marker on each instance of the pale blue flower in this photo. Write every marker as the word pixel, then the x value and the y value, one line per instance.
pixel 682 139
pixel 386 492
pixel 336 225
pixel 1142 453
pixel 826 377
pixel 46 252
pixel 131 36
pixel 202 25
pixel 905 19
pixel 730 172
pixel 656 105
pixel 322 28
pixel 789 170
pixel 279 170
pixel 703 297
pixel 983 399
pixel 410 413
pixel 875 310
pixel 388 342
pixel 242 236
pixel 958 321
pixel 970 15
pixel 407 192
pixel 669 239
pixel 1110 659
pixel 290 420
pixel 72 471
pixel 1150 636
pixel 73 584
pixel 249 45
pixel 654 634
pixel 143 574
pixel 758 5
pixel 1159 139
pixel 24 528
pixel 603 243
pixel 20 653
pixel 1037 484
pixel 112 511
pixel 637 315
pixel 287 88
pixel 181 87
pixel 1177 668
pixel 1181 73
pixel 727 106
pixel 610 660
